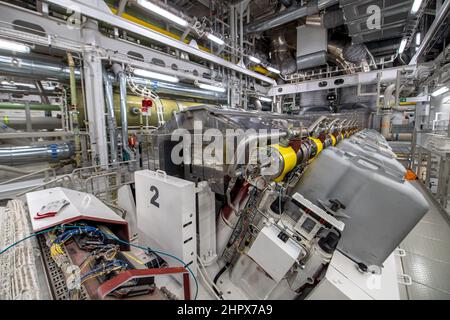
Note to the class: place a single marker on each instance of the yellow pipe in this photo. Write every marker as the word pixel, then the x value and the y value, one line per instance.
pixel 153 27
pixel 260 69
pixel 146 24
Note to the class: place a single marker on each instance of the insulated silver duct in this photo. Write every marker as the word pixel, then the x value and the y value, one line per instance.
pixel 288 15
pixel 118 71
pixel 281 54
pixel 336 55
pixel 40 69
pixel 111 116
pixel 37 153
pixel 355 53
pixel 35 68
pixel 184 90
pixel 257 103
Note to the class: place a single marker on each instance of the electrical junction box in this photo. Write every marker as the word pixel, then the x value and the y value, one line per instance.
pixel 273 254
pixel 166 220
pixel 343 281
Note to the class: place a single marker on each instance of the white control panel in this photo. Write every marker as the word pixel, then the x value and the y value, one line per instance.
pixel 273 254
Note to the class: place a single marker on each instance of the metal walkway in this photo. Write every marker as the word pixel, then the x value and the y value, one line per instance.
pixel 427 259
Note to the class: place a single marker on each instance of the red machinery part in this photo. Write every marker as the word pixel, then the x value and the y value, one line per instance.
pixel 122 278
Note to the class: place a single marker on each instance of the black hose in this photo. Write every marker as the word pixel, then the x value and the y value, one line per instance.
pixel 218 275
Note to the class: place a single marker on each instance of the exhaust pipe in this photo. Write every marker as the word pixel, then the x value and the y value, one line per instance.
pixel 38 153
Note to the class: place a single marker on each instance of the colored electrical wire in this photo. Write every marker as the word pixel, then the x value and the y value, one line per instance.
pixel 147 249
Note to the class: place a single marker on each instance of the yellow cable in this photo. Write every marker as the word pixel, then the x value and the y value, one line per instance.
pixel 133 258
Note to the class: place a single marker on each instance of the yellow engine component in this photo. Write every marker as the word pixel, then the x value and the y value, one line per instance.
pixel 333 140
pixel 318 144
pixel 289 160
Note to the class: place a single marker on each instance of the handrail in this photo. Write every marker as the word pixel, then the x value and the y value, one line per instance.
pixel 29 175
pixel 45 184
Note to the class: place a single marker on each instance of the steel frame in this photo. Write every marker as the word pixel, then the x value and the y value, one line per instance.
pixel 119 22
pixel 385 75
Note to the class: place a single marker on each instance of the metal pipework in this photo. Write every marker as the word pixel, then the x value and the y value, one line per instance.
pixel 111 116
pixel 32 106
pixel 29 67
pixel 37 123
pixel 281 54
pixel 62 72
pixel 313 127
pixel 437 23
pixel 291 14
pixel 333 125
pixel 242 146
pixel 118 71
pixel 37 153
pixel 386 119
pixel 111 19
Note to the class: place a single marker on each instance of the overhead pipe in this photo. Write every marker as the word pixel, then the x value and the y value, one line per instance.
pixel 36 153
pixel 120 74
pixel 102 16
pixel 336 55
pixel 288 15
pixel 34 68
pixel 111 116
pixel 61 72
pixel 32 106
pixel 437 23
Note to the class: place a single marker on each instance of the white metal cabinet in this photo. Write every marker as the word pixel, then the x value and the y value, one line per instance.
pixel 166 215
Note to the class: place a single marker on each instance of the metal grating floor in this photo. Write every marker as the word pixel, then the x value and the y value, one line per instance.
pixel 427 259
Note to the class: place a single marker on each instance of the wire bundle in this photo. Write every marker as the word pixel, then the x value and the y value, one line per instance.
pixel 104 269
pixel 107 236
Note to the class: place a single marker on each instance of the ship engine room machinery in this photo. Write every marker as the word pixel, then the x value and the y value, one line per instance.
pixel 181 150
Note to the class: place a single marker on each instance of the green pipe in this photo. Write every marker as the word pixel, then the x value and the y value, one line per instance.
pixel 21 106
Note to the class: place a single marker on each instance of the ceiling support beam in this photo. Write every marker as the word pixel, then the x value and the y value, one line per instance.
pixel 116 21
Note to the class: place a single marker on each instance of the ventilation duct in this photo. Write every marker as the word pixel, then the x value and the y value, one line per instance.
pixel 336 55
pixel 311 46
pixel 290 14
pixel 281 54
